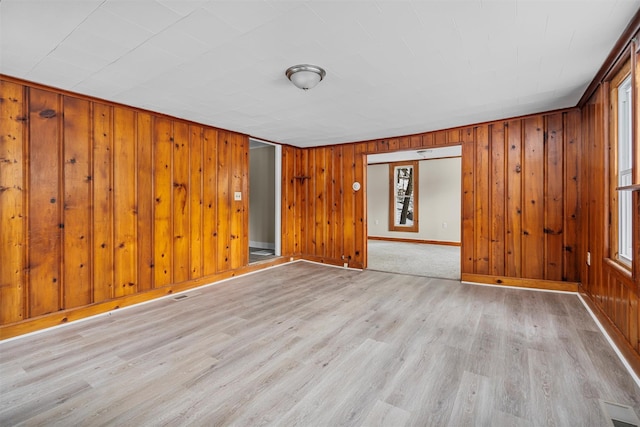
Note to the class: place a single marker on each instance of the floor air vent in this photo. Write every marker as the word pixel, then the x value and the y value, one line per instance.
pixel 620 415
pixel 179 297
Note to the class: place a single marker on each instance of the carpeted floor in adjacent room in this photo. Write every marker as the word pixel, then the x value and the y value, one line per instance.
pixel 418 259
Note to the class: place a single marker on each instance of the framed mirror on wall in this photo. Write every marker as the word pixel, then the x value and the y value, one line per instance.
pixel 403 196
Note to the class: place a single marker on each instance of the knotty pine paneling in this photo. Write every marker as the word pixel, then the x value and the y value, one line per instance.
pixel 77 203
pixel 239 212
pixel 162 192
pixel 102 209
pixel 144 200
pixel 497 183
pixel 224 204
pixel 318 195
pixel 196 197
pixel 513 182
pixel 512 226
pixel 44 194
pixel 482 202
pixel 102 202
pixel 13 202
pixel 467 200
pixel 125 230
pixel 210 201
pixel 181 214
pixel 533 212
pixel 610 289
pixel 516 174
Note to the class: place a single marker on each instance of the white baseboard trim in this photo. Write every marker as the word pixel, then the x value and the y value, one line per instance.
pixel 611 343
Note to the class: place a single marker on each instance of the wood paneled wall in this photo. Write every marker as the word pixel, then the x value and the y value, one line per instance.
pixel 611 290
pixel 100 201
pixel 323 217
pixel 520 206
pixel 106 202
pixel 520 199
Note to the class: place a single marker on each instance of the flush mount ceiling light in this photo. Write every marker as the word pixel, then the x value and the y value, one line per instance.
pixel 305 76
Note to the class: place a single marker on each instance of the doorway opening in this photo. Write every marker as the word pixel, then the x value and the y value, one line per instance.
pixel 432 248
pixel 265 166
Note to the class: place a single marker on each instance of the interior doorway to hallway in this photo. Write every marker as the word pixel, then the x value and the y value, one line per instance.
pixel 265 166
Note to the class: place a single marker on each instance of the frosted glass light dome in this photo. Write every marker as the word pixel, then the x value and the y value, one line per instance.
pixel 305 76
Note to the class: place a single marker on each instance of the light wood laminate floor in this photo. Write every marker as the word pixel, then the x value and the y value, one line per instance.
pixel 311 345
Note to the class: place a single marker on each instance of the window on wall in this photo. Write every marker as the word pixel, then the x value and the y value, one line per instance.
pixel 621 165
pixel 625 250
pixel 403 196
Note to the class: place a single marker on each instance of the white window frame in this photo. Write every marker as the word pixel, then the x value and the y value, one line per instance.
pixel 625 163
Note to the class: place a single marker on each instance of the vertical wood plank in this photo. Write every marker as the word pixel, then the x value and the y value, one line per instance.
pixel 554 198
pixel 162 193
pixel 180 200
pixel 623 310
pixel 239 225
pixel 102 203
pixel 299 188
pixel 497 197
pixel 124 201
pixel 572 157
pixel 634 322
pixel 467 240
pixel 416 141
pixel 454 136
pixel 196 156
pixel 210 201
pixel 77 203
pixel 335 201
pixel 309 202
pixel 533 195
pixel 44 208
pixel 349 222
pixel 428 139
pixel 144 199
pixel 224 201
pixel 320 222
pixel 287 203
pixel 513 182
pixel 482 201
pixel 360 169
pixel 244 155
pixel 440 138
pixel 13 214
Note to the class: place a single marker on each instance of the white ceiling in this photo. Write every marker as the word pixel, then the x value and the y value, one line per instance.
pixel 393 67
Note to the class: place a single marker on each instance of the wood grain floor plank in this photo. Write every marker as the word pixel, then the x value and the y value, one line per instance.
pixel 472 405
pixel 382 414
pixel 310 345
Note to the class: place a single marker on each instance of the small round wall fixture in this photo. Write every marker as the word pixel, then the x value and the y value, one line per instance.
pixel 355 186
pixel 305 76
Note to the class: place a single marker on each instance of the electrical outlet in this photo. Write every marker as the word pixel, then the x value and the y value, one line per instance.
pixel 346 264
pixel 589 258
pixel 444 225
pixel 237 196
